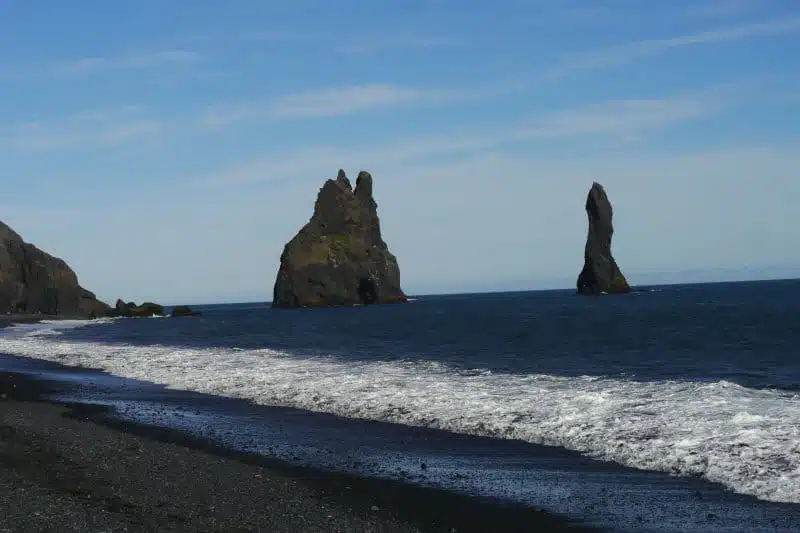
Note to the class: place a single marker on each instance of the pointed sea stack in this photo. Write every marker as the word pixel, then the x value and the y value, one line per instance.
pixel 600 272
pixel 33 282
pixel 339 258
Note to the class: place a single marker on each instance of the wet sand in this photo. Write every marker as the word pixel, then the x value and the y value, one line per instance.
pixel 61 469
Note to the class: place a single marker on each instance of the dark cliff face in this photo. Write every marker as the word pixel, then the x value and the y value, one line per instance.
pixel 32 281
pixel 339 257
pixel 600 272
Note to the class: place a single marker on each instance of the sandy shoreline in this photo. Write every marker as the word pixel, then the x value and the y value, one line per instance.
pixel 67 468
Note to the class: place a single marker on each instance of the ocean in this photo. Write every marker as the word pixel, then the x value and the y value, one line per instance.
pixel 674 408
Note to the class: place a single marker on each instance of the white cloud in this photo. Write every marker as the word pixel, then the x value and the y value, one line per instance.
pixel 274 36
pixel 363 44
pixel 336 101
pixel 721 8
pixel 354 45
pixel 34 138
pixel 621 119
pixel 88 65
pixel 321 162
pixel 133 124
pixel 103 128
pixel 346 100
pixel 624 53
pixel 626 117
pixel 316 103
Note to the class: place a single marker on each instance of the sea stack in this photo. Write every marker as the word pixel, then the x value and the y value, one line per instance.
pixel 32 282
pixel 339 257
pixel 600 274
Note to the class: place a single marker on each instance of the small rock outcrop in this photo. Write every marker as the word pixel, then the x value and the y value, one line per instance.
pixel 148 309
pixel 339 257
pixel 130 309
pixel 600 272
pixel 183 310
pixel 35 282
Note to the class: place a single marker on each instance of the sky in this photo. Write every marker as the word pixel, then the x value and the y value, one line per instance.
pixel 168 149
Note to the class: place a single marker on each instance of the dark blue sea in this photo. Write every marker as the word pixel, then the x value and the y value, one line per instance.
pixel 674 408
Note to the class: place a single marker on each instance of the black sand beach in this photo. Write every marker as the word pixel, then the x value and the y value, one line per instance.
pixel 62 469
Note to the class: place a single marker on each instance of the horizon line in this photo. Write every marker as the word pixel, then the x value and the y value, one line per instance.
pixel 549 289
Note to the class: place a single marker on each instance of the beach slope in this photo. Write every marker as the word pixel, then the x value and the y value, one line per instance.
pixel 63 470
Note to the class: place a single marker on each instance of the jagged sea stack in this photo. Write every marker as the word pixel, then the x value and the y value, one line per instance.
pixel 600 272
pixel 339 258
pixel 32 281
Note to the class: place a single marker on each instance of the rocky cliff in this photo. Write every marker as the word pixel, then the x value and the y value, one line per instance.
pixel 32 281
pixel 600 272
pixel 339 257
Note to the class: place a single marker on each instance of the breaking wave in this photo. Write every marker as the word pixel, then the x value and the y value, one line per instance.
pixel 746 439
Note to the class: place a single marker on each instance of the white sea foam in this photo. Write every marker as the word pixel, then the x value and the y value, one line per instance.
pixel 746 439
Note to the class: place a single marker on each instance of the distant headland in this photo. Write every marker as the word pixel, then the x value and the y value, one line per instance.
pixel 35 284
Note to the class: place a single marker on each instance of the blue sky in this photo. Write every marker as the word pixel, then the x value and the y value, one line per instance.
pixel 168 149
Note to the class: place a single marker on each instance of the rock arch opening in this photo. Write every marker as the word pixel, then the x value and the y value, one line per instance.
pixel 367 291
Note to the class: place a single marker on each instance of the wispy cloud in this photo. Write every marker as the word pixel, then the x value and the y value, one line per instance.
pixel 87 65
pixel 588 13
pixel 624 53
pixel 721 8
pixel 334 102
pixel 359 44
pixel 621 119
pixel 104 128
pixel 629 118
pixel 134 124
pixel 346 100
pixel 362 45
pixel 274 36
pixel 77 68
